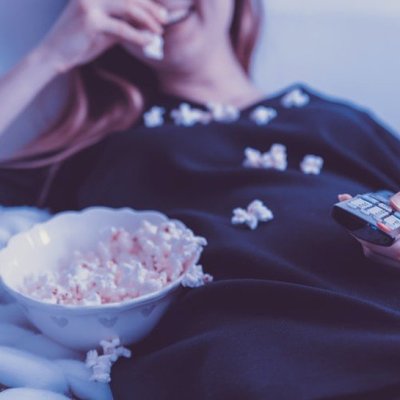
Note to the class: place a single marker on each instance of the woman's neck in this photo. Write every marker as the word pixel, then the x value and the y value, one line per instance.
pixel 220 79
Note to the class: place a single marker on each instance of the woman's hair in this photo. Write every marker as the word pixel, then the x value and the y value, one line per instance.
pixel 111 93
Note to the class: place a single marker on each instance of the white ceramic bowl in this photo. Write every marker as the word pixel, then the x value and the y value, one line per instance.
pixel 81 327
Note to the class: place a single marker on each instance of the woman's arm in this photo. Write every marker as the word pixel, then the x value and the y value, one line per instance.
pixel 22 84
pixel 85 30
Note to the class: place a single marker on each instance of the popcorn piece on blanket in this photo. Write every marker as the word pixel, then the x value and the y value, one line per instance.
pixel 254 158
pixel 195 277
pixel 275 158
pixel 155 49
pixel 295 98
pixel 279 157
pixel 114 350
pixel 101 364
pixel 312 164
pixel 263 115
pixel 188 116
pixel 124 266
pixel 154 117
pixel 255 213
pixel 223 112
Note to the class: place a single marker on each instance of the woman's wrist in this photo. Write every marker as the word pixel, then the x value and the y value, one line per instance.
pixel 45 64
pixel 24 82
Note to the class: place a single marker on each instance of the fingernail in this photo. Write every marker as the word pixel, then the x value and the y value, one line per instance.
pixel 383 227
pixel 344 197
pixel 395 202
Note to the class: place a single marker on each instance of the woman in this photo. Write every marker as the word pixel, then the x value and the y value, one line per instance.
pixel 296 310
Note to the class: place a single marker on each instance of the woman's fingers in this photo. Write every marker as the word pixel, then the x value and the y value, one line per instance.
pixel 122 31
pixel 144 19
pixel 87 28
pixel 143 14
pixel 395 201
pixel 392 251
pixel 158 11
pixel 387 255
pixel 382 257
pixel 138 13
pixel 344 197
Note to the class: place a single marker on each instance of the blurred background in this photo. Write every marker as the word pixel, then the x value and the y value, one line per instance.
pixel 345 48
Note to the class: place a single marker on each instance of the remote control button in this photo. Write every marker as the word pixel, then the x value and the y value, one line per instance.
pixel 383 196
pixel 385 207
pixel 359 203
pixel 392 222
pixel 370 199
pixel 376 212
pixel 366 210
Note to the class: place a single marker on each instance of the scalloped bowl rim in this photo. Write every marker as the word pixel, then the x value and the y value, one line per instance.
pixel 82 309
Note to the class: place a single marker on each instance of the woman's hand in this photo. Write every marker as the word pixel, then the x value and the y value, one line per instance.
pixel 87 28
pixel 387 255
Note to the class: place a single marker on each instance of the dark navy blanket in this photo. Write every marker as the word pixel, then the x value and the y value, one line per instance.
pixel 296 311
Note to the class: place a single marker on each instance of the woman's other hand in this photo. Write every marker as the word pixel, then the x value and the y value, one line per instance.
pixel 387 255
pixel 87 28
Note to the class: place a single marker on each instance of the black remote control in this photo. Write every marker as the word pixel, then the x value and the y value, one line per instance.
pixel 370 217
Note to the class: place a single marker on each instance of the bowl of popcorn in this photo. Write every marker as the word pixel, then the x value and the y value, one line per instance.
pixel 83 277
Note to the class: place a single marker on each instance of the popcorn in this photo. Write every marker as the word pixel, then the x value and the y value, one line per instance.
pixel 92 358
pixel 312 164
pixel 154 117
pixel 223 112
pixel 195 277
pixel 185 115
pixel 295 98
pixel 255 213
pixel 109 346
pixel 155 49
pixel 275 158
pixel 279 157
pixel 124 266
pixel 101 364
pixel 253 158
pixel 188 116
pixel 263 115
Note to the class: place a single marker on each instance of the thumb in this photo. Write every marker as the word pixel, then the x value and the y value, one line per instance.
pixel 344 197
pixel 395 201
